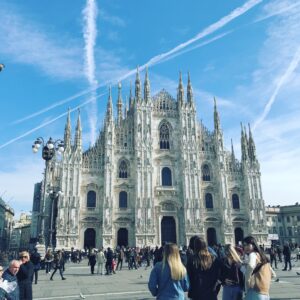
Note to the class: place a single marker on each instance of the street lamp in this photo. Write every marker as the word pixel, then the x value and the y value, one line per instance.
pixel 49 149
pixel 54 193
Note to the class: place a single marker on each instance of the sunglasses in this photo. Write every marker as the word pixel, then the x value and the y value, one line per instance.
pixel 1 270
pixel 23 256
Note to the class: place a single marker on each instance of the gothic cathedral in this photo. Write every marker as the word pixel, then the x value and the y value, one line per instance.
pixel 154 175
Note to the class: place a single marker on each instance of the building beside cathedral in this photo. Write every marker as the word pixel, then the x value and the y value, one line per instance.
pixel 155 174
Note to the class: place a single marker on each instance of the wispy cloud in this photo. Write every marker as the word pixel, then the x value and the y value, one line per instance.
pixel 90 35
pixel 282 80
pixel 35 47
pixel 164 56
pixel 114 20
pixel 44 124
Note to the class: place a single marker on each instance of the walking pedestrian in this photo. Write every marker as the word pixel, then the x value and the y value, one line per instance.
pixel 168 279
pixel 108 264
pixel 287 256
pixel 25 276
pixel 35 258
pixel 120 259
pixel 58 265
pixel 48 261
pixel 100 257
pixel 273 257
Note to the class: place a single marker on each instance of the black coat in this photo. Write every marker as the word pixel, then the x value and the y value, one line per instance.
pixel 25 276
pixel 203 283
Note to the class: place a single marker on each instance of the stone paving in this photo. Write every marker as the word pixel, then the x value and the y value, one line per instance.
pixel 132 284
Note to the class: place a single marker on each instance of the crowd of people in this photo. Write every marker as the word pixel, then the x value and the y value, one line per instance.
pixel 242 270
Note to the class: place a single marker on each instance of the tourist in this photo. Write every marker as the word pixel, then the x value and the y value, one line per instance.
pixel 287 256
pixel 168 279
pixel 204 272
pixel 58 262
pixel 100 258
pixel 35 258
pixel 258 271
pixel 109 259
pixel 10 275
pixel 120 259
pixel 231 276
pixel 92 260
pixel 25 276
pixel 48 261
pixel 3 292
pixel 273 256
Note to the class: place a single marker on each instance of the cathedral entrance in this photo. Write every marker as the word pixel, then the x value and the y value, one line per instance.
pixel 238 235
pixel 211 236
pixel 168 230
pixel 90 238
pixel 123 237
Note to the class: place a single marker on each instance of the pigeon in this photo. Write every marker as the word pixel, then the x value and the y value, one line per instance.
pixel 81 296
pixel 2 66
pixel 298 273
pixel 277 280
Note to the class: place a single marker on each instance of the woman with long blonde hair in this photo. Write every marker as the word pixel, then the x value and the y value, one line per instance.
pixel 168 279
pixel 231 276
pixel 204 272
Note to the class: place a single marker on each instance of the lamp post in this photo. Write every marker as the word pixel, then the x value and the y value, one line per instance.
pixel 49 149
pixel 54 193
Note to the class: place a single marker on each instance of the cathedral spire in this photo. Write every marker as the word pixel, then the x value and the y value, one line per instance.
pixel 137 86
pixel 67 135
pixel 251 145
pixel 126 109
pixel 216 117
pixel 109 111
pixel 180 91
pixel 78 133
pixel 244 144
pixel 131 99
pixel 190 97
pixel 120 104
pixel 232 152
pixel 147 93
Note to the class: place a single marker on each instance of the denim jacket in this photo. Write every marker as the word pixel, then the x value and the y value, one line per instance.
pixel 163 287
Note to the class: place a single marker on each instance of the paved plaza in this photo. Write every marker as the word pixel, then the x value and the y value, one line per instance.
pixel 132 284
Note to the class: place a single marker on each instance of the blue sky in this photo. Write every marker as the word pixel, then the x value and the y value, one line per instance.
pixel 246 53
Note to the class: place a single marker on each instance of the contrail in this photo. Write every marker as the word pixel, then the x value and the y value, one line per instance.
pixel 276 13
pixel 90 34
pixel 49 122
pixel 161 57
pixel 290 70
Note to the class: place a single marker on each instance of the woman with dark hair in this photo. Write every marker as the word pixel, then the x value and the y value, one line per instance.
pixel 204 272
pixel 258 272
pixel 168 279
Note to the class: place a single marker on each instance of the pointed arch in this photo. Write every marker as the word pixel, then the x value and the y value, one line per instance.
pixel 206 173
pixel 166 177
pixel 91 199
pixel 123 199
pixel 209 203
pixel 235 201
pixel 164 136
pixel 123 169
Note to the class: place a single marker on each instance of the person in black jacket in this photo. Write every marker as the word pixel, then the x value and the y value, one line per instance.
pixel 204 272
pixel 25 276
pixel 108 264
pixel 287 256
pixel 92 260
pixel 35 258
pixel 232 277
pixel 58 262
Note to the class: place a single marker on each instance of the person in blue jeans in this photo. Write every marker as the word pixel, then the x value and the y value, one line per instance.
pixel 232 277
pixel 168 279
